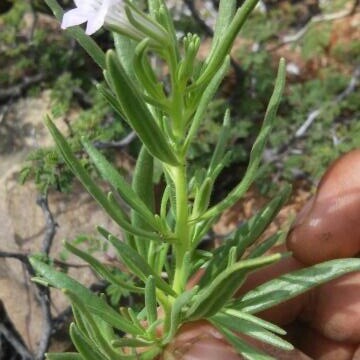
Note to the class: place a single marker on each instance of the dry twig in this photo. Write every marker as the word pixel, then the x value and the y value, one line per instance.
pixel 8 332
pixel 43 292
pixel 315 113
pixel 16 91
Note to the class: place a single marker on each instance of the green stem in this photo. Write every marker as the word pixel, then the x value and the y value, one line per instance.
pixel 182 228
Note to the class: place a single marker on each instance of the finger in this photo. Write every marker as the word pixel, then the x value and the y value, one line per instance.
pixel 356 355
pixel 328 226
pixel 334 309
pixel 317 346
pixel 199 340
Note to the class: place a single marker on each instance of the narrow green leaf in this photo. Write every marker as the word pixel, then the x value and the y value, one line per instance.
pixel 110 174
pixel 151 330
pixel 201 229
pixel 101 269
pixel 225 15
pixel 137 113
pixel 219 151
pixel 125 49
pixel 292 284
pixel 150 354
pixel 164 202
pixel 80 320
pixel 161 259
pixel 102 344
pixel 225 161
pixel 106 329
pixel 251 329
pixel 257 149
pixel 267 244
pixel 245 236
pixel 256 320
pixel 131 342
pixel 206 97
pixel 84 345
pixel 145 73
pixel 138 265
pixel 40 281
pixel 143 187
pixel 111 99
pixel 150 300
pixel 232 258
pixel 62 281
pixel 216 293
pixel 165 18
pixel 146 25
pixel 135 262
pixel 134 317
pixel 75 166
pixel 87 43
pixel 242 347
pixel 176 312
pixel 225 41
pixel 262 220
pixel 187 65
pixel 170 183
pixel 202 197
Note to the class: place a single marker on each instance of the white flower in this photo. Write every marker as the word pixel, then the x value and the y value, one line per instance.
pixel 95 13
pixel 111 13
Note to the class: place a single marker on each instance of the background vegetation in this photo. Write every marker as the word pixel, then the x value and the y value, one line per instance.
pixel 322 79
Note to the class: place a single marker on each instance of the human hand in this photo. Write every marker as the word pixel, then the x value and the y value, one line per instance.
pixel 324 323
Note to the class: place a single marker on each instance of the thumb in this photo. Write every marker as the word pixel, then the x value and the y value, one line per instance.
pixel 328 226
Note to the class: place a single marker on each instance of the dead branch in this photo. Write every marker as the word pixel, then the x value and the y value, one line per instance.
pixel 315 113
pixel 44 292
pixel 44 299
pixel 16 91
pixel 275 156
pixel 65 264
pixel 8 332
pixel 7 329
pixel 82 97
pixel 191 6
pixel 50 230
pixel 19 256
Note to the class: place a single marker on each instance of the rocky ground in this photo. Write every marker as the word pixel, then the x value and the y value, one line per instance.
pixel 23 222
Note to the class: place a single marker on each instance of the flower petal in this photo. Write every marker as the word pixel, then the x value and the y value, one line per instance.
pixel 92 4
pixel 95 23
pixel 74 17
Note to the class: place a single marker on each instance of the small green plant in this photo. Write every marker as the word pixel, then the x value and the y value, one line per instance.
pixel 160 246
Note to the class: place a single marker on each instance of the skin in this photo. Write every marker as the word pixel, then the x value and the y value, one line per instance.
pixel 328 225
pixel 324 323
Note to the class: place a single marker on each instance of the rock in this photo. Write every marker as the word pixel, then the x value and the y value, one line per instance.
pixel 23 231
pixel 23 224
